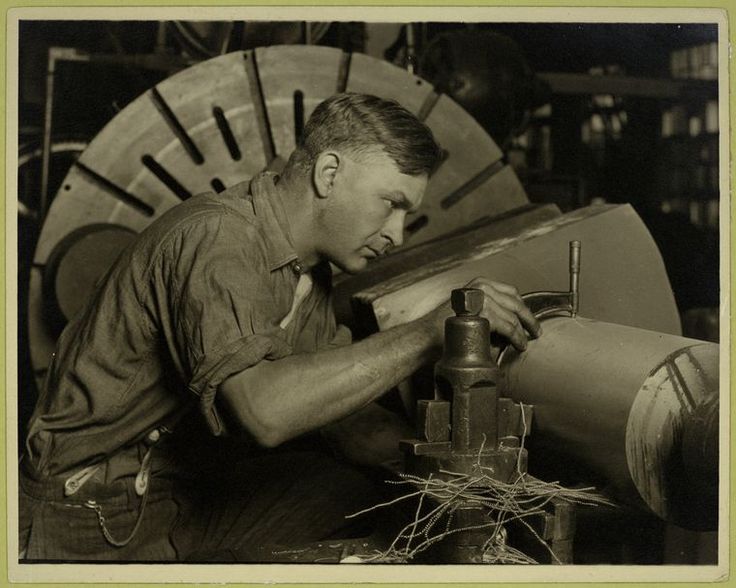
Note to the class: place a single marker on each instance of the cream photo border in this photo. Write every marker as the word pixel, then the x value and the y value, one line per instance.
pixel 306 573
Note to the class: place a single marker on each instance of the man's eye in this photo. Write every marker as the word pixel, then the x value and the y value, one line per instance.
pixel 391 204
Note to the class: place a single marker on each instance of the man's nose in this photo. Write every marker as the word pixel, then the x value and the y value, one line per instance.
pixel 393 230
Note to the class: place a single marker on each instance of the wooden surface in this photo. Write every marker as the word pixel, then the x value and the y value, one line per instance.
pixel 622 278
pixel 427 256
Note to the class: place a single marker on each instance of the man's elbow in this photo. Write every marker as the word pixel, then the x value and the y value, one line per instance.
pixel 260 424
pixel 254 410
pixel 266 437
pixel 266 431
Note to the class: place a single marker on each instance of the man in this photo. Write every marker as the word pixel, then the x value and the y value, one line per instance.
pixel 219 315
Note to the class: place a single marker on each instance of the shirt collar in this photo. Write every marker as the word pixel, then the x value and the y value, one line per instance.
pixel 269 209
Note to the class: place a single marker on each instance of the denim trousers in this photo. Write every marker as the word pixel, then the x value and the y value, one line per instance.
pixel 287 499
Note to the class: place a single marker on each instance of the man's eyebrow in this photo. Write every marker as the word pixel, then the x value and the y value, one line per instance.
pixel 403 201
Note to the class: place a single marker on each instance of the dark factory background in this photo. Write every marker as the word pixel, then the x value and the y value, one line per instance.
pixel 584 113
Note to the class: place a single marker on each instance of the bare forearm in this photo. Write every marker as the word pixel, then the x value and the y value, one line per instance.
pixel 281 399
pixel 278 400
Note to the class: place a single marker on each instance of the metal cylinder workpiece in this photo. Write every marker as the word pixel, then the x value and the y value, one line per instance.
pixel 622 401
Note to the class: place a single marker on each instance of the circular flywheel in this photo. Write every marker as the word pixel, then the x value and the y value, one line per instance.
pixel 219 123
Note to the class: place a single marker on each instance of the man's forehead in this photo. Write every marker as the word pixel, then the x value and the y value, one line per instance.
pixel 384 171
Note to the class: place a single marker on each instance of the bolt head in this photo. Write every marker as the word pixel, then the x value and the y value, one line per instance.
pixel 467 301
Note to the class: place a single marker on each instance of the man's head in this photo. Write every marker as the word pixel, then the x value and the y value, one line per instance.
pixel 360 123
pixel 367 161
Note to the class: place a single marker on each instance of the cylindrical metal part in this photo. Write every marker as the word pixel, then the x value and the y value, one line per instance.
pixel 575 277
pixel 467 337
pixel 466 374
pixel 618 399
pixel 467 342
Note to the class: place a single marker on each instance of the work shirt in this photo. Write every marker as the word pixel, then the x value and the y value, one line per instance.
pixel 202 294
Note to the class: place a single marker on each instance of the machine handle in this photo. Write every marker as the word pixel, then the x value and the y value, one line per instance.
pixel 544 304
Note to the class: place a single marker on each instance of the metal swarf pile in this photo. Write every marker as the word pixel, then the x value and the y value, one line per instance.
pixel 439 496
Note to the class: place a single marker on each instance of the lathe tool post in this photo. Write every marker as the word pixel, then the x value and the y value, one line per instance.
pixel 466 374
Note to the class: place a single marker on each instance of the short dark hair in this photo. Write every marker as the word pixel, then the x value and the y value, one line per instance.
pixel 360 123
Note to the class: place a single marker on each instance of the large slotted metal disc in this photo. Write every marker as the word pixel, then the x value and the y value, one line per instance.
pixel 219 123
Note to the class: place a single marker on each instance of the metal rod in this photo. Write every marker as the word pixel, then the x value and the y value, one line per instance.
pixel 160 46
pixel 229 26
pixel 411 55
pixel 574 277
pixel 46 147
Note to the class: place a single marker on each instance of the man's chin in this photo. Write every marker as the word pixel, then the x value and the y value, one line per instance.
pixel 352 266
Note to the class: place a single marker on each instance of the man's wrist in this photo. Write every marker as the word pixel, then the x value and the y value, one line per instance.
pixel 432 329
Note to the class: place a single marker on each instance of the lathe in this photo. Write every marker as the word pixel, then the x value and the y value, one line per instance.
pixel 611 389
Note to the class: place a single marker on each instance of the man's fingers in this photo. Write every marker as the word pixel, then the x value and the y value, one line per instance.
pixel 530 322
pixel 513 303
pixel 506 323
pixel 507 297
pixel 510 330
pixel 505 288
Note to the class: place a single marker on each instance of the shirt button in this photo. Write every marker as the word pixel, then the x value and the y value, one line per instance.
pixel 298 268
pixel 154 436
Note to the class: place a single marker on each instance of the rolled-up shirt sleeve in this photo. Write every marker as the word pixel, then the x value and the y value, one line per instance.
pixel 216 305
pixel 343 336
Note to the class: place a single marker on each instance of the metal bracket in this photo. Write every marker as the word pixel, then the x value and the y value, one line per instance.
pixel 544 304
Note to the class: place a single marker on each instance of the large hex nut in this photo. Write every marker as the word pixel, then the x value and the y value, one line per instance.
pixel 467 301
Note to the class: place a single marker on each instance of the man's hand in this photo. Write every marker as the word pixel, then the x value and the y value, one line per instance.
pixel 504 309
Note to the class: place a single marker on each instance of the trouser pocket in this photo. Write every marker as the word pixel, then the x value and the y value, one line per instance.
pixel 70 530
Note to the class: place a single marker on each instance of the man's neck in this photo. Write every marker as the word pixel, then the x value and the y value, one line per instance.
pixel 297 200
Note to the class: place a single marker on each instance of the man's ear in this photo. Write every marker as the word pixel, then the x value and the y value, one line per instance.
pixel 325 170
